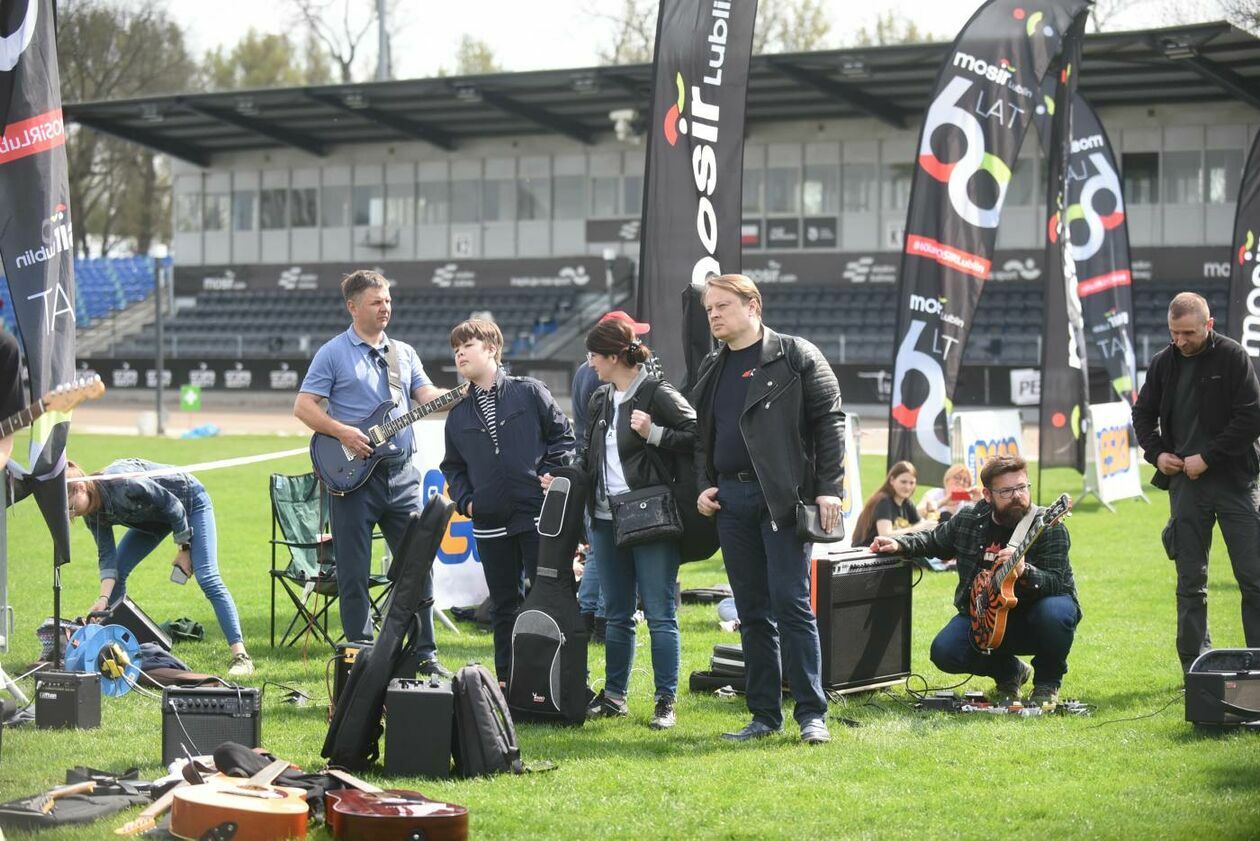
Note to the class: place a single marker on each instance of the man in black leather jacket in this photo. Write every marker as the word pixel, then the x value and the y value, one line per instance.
pixel 1197 419
pixel 770 434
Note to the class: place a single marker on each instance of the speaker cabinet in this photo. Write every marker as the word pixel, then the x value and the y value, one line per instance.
pixel 862 603
pixel 201 719
pixel 1223 687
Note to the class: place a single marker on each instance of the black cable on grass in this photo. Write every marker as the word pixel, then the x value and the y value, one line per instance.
pixel 926 689
pixel 1171 701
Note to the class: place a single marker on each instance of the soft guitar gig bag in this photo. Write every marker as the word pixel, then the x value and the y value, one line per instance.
pixel 353 740
pixel 548 679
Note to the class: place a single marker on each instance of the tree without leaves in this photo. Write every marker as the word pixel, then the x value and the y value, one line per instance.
pixel 891 28
pixel 118 190
pixel 1244 13
pixel 341 26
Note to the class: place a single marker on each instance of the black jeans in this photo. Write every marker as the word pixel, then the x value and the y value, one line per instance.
pixel 1044 628
pixel 506 562
pixel 769 574
pixel 1197 505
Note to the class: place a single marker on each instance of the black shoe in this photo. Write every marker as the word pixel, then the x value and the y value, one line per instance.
pixel 433 668
pixel 663 716
pixel 1007 691
pixel 753 730
pixel 600 624
pixel 605 707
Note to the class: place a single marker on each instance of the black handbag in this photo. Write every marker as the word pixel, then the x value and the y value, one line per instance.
pixel 645 515
pixel 809 526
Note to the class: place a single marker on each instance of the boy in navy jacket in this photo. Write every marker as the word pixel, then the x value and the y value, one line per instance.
pixel 500 441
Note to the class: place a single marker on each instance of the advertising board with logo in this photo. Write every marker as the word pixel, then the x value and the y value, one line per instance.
pixel 981 436
pixel 986 95
pixel 783 233
pixel 1115 466
pixel 820 232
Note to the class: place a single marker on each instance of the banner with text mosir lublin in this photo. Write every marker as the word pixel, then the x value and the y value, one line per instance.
pixel 987 94
pixel 695 166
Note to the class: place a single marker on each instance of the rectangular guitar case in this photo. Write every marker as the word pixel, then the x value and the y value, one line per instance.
pixel 354 733
pixel 548 677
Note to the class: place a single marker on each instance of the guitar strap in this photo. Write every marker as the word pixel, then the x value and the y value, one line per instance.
pixel 395 375
pixel 1017 536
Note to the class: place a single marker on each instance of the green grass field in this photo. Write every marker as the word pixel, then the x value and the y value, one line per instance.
pixel 1129 771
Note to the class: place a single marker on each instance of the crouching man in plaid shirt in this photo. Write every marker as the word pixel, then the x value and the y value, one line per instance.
pixel 1042 623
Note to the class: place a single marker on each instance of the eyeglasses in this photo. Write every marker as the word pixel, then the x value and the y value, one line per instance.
pixel 1008 493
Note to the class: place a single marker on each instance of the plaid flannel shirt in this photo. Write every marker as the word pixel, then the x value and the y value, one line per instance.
pixel 1047 570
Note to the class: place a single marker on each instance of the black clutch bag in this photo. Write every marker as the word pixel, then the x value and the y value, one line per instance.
pixel 809 526
pixel 645 515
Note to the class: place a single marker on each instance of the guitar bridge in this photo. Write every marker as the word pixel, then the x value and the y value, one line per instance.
pixel 346 450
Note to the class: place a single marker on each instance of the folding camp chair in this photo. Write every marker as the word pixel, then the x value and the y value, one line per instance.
pixel 299 524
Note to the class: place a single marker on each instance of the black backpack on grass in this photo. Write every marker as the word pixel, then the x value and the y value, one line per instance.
pixel 485 738
pixel 354 733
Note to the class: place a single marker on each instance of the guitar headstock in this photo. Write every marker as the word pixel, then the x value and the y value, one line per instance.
pixel 1055 512
pixel 66 397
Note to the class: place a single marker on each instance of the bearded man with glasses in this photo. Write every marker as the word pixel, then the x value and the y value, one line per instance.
pixel 1042 623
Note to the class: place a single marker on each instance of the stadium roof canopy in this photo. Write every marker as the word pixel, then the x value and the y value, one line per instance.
pixel 1199 63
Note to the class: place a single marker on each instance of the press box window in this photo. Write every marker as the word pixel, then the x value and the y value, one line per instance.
pixel 1223 172
pixel 273 209
pixel 304 207
pixel 188 212
pixel 1183 177
pixel 217 212
pixel 336 208
pixel 433 202
pixel 1140 171
pixel 243 210
pixel 368 205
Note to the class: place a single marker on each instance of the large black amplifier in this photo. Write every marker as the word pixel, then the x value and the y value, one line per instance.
pixel 862 602
pixel 201 719
pixel 419 719
pixel 1223 687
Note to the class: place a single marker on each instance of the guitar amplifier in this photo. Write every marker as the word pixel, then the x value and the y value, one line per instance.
pixel 1223 687
pixel 128 614
pixel 419 718
pixel 346 652
pixel 68 700
pixel 862 602
pixel 203 718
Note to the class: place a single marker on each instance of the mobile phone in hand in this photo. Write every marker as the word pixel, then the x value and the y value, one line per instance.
pixel 178 575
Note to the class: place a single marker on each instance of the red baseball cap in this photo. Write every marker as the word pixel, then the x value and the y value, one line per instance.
pixel 639 327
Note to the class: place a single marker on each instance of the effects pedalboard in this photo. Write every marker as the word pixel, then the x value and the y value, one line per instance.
pixel 975 702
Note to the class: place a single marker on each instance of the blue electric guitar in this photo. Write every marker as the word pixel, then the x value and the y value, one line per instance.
pixel 342 471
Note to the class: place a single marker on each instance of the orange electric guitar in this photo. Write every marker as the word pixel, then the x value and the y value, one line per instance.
pixel 243 810
pixel 368 813
pixel 993 590
pixel 61 399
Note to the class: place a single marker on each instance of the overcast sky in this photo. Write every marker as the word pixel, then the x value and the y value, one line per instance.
pixel 542 34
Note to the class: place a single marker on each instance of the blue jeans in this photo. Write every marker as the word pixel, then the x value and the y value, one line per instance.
pixel 651 571
pixel 769 575
pixel 136 545
pixel 506 562
pixel 590 596
pixel 1044 628
pixel 388 499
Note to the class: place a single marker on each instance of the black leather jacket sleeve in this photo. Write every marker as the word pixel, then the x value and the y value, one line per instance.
pixel 670 411
pixel 1146 409
pixel 825 419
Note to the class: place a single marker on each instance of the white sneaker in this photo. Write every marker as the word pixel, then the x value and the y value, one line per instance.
pixel 241 665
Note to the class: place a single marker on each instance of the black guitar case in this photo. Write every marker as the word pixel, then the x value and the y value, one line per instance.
pixel 354 733
pixel 548 679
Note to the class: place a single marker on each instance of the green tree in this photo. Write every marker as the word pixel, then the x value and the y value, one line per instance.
pixel 474 57
pixel 790 26
pixel 262 60
pixel 891 28
pixel 118 191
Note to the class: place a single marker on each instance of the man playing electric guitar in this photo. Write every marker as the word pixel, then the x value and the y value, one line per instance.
pixel 1043 621
pixel 352 371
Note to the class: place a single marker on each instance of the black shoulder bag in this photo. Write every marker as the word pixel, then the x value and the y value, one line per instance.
pixel 646 514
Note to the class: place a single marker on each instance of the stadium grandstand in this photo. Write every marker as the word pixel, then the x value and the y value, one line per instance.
pixel 519 195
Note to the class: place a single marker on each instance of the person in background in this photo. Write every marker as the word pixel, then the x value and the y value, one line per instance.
pixel 352 372
pixel 635 423
pixel 957 492
pixel 151 508
pixel 889 509
pixel 12 400
pixel 500 442
pixel 585 381
pixel 1197 418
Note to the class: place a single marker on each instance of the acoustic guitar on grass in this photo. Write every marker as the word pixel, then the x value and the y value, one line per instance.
pixel 253 809
pixel 63 398
pixel 342 471
pixel 993 591
pixel 368 813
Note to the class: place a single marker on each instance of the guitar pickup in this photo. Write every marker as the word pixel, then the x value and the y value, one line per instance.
pixel 374 435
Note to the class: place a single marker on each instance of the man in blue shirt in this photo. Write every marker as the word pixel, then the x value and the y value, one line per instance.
pixel 351 372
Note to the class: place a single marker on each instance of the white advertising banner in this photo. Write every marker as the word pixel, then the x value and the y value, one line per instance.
pixel 1116 465
pixel 457 577
pixel 1026 386
pixel 980 436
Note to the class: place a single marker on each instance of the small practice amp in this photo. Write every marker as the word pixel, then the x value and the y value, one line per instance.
pixel 862 602
pixel 1223 687
pixel 201 719
pixel 419 715
pixel 68 699
pixel 346 652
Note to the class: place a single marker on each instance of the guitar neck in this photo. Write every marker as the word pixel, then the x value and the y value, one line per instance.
pixel 401 422
pixel 354 782
pixel 21 420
